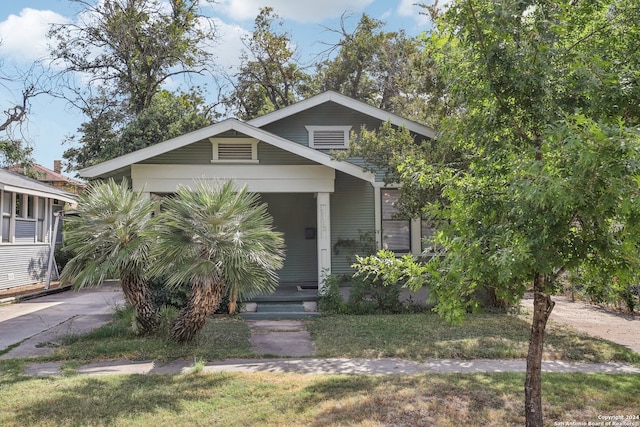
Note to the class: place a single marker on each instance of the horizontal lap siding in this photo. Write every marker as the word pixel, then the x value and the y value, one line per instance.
pixel 352 214
pixel 28 263
pixel 270 155
pixel 198 153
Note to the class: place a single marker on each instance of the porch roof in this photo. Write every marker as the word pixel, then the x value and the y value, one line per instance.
pixel 17 183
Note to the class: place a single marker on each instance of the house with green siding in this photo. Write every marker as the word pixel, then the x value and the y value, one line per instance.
pixel 285 156
pixel 27 233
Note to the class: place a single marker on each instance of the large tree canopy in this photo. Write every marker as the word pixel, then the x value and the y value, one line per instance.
pixel 546 180
pixel 111 133
pixel 270 76
pixel 130 48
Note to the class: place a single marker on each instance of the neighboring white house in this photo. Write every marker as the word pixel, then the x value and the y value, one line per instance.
pixel 27 209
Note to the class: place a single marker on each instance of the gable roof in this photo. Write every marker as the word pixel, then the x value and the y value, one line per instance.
pixel 216 129
pixel 348 102
pixel 14 182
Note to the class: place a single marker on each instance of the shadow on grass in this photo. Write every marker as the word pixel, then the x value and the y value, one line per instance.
pixel 91 400
pixel 468 399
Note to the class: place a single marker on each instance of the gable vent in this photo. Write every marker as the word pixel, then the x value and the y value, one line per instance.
pixel 326 137
pixel 235 152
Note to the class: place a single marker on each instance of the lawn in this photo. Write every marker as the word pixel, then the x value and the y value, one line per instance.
pixel 320 400
pixel 408 336
pixel 264 399
pixel 480 336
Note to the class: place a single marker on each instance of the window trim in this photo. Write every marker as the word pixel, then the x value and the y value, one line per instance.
pixel 216 142
pixel 344 129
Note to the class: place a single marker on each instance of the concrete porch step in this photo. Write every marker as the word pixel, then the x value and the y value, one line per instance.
pixel 252 315
pixel 280 308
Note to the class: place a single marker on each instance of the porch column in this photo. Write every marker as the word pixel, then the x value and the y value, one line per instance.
pixel 323 237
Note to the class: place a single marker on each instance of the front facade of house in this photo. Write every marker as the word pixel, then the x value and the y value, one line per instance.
pixel 27 210
pixel 319 204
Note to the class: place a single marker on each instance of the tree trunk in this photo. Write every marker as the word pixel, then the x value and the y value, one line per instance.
pixel 542 306
pixel 204 298
pixel 138 295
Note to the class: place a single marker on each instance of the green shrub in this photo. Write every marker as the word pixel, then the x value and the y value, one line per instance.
pixel 329 298
pixel 370 295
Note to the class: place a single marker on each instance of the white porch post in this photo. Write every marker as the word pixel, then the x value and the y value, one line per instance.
pixel 323 237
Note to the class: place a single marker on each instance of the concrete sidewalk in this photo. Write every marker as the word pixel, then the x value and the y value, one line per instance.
pixel 332 366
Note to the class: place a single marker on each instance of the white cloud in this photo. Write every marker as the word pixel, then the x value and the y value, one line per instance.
pixel 230 44
pixel 24 36
pixel 295 10
pixel 410 8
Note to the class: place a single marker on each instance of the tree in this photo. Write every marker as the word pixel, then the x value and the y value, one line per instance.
pixel 105 234
pixel 383 69
pixel 269 77
pixel 126 50
pixel 130 48
pixel 111 133
pixel 218 241
pixel 544 119
pixel 546 116
pixel 13 149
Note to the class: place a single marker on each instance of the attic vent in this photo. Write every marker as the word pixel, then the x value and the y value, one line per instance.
pixel 234 150
pixel 328 137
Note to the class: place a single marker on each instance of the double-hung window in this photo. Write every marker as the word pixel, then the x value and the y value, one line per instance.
pixel 396 232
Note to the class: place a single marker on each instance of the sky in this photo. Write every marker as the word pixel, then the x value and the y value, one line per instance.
pixel 24 24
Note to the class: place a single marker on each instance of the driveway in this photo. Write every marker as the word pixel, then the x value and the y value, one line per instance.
pixel 623 329
pixel 41 320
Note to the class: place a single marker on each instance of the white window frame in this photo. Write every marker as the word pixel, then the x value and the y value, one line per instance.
pixel 9 214
pixel 38 222
pixel 215 143
pixel 342 146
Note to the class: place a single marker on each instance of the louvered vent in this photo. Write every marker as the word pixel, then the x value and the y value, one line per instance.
pixel 234 152
pixel 328 138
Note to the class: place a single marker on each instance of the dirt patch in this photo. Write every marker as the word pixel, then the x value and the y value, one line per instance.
pixel 620 328
pixel 27 290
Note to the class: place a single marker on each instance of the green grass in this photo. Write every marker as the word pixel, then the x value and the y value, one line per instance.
pixel 221 338
pixel 265 399
pixel 408 336
pixel 480 336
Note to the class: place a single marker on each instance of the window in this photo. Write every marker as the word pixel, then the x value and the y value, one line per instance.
pixel 30 207
pixel 328 137
pixel 234 150
pixel 5 216
pixel 396 233
pixel 40 227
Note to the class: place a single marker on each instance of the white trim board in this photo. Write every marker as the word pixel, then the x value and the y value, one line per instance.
pixel 257 178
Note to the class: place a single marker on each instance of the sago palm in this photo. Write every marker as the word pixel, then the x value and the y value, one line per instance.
pixel 107 240
pixel 217 241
